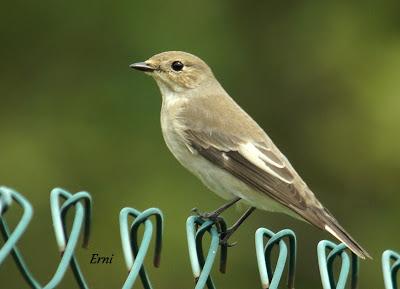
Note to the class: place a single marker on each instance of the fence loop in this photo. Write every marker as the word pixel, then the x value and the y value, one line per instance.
pixel 11 238
pixel 5 199
pixel 67 246
pixel 196 227
pixel 326 265
pixel 390 268
pixel 133 253
pixel 59 214
pixel 271 278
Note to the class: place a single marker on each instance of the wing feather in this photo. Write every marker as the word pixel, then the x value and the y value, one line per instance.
pixel 245 161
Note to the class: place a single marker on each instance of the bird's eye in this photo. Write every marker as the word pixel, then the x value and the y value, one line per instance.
pixel 177 65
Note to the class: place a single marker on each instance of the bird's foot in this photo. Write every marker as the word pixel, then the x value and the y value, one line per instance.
pixel 224 233
pixel 224 237
pixel 212 216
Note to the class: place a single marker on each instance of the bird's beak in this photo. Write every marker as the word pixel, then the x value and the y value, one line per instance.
pixel 142 66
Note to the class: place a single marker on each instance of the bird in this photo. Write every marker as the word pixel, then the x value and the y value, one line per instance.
pixel 217 141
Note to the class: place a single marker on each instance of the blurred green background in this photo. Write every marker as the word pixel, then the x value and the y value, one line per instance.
pixel 321 78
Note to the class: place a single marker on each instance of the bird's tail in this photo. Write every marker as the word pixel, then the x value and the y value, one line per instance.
pixel 334 228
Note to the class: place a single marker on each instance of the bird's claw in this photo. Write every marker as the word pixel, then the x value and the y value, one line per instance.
pixel 225 243
pixel 225 237
pixel 206 215
pixel 213 216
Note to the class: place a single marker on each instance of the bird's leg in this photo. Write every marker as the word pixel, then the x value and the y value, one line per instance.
pixel 214 214
pixel 229 232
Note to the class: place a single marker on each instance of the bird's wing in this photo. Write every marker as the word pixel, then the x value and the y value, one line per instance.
pixel 257 164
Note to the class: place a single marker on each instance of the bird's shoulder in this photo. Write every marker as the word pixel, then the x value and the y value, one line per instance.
pixel 217 121
pixel 219 114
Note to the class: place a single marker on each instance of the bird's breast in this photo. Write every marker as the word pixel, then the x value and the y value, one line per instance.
pixel 172 132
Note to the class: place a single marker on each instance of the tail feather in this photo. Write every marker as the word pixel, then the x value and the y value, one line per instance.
pixel 333 227
pixel 323 219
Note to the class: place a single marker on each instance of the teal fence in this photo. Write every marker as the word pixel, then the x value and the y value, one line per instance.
pixel 201 261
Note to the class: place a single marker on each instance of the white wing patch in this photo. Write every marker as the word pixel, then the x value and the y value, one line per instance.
pixel 254 155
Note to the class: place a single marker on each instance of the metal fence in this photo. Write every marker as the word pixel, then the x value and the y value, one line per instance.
pixel 201 261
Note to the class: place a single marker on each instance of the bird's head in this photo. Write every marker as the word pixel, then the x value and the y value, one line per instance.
pixel 176 71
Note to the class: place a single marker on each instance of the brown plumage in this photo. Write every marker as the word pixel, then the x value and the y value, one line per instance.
pixel 220 143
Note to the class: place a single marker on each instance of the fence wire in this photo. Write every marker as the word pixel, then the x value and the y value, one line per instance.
pixel 390 268
pixel 201 261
